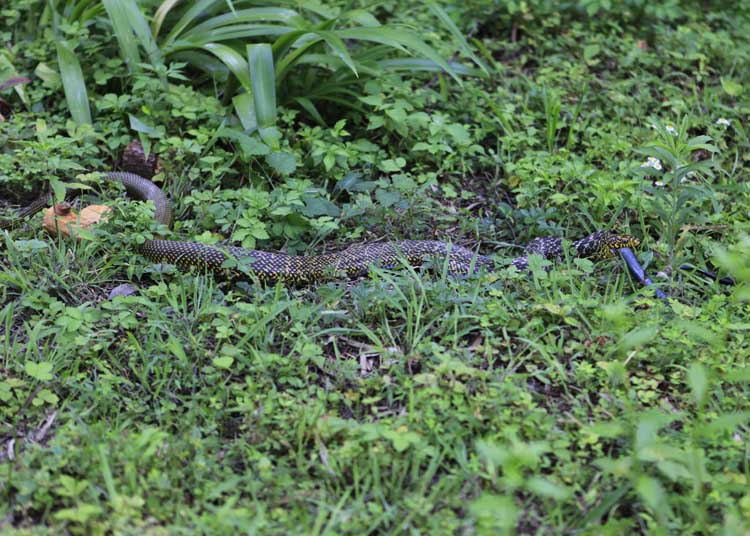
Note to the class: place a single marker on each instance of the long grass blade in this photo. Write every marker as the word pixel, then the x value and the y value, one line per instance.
pixel 234 62
pixel 310 108
pixel 285 64
pixel 190 16
pixel 244 16
pixel 83 10
pixel 241 32
pixel 138 24
pixel 335 64
pixel 260 60
pixel 124 33
pixel 203 61
pixel 398 39
pixel 244 105
pixel 456 33
pixel 161 13
pixel 339 48
pixel 93 11
pixel 73 84
pixel 417 64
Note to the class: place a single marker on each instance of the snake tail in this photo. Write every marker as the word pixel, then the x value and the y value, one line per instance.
pixel 136 186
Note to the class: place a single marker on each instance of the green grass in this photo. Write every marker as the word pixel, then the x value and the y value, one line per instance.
pixel 409 402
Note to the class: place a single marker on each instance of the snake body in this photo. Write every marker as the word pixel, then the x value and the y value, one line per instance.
pixel 353 261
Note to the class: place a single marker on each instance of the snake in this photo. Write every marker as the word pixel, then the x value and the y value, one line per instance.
pixel 353 261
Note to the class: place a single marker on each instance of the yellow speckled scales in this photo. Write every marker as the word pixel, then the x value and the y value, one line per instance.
pixel 354 261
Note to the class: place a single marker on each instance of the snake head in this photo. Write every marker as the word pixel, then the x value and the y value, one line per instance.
pixel 604 244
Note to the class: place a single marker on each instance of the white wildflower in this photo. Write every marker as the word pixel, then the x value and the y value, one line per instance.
pixel 723 121
pixel 659 184
pixel 670 129
pixel 653 163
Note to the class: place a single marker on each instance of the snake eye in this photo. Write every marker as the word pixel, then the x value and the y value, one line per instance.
pixel 628 241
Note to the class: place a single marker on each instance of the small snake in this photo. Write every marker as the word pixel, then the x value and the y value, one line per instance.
pixel 353 261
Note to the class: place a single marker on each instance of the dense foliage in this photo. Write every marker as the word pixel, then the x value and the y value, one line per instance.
pixel 568 401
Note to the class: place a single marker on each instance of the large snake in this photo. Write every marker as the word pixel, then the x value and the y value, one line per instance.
pixel 353 261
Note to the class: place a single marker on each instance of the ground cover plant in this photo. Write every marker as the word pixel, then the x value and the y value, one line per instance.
pixel 567 401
